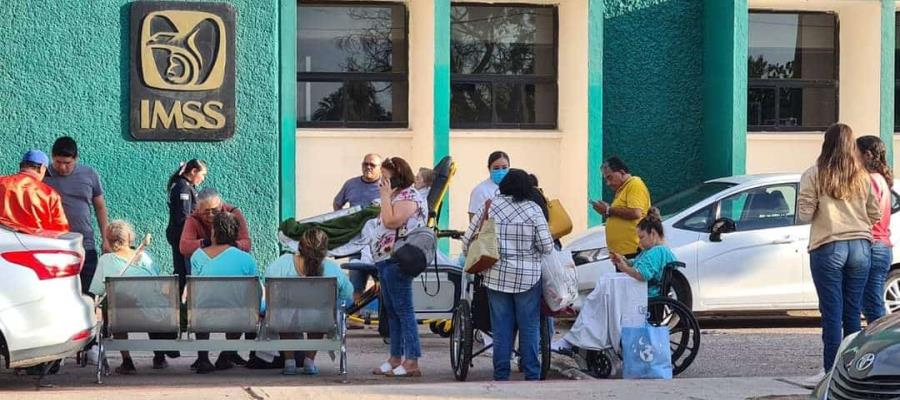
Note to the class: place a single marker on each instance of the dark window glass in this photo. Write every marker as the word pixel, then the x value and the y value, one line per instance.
pixel 352 65
pixel 792 69
pixel 503 67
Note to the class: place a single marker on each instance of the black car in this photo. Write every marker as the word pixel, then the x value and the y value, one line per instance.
pixel 867 364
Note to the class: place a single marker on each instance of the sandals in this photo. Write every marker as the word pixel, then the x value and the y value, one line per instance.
pixel 401 372
pixel 383 369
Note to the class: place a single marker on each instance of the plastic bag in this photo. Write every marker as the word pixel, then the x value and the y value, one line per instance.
pixel 618 301
pixel 560 279
pixel 646 353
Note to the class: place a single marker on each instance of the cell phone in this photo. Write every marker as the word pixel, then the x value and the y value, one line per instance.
pixel 395 182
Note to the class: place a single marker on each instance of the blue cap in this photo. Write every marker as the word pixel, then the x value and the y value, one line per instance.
pixel 37 157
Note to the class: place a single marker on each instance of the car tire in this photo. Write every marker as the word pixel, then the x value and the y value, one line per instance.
pixel 682 290
pixel 892 291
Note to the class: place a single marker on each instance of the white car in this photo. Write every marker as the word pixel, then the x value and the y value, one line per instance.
pixel 763 265
pixel 43 315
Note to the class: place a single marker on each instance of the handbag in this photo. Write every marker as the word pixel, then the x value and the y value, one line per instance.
pixel 484 250
pixel 560 223
pixel 414 251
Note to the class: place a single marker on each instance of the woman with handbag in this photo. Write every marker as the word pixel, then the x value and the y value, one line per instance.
pixel 514 281
pixel 402 210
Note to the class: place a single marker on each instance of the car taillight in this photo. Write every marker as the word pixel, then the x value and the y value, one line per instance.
pixel 81 335
pixel 47 264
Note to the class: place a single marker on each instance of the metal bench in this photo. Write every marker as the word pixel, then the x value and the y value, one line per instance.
pixel 224 304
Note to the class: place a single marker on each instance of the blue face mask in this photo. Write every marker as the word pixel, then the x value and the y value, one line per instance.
pixel 497 175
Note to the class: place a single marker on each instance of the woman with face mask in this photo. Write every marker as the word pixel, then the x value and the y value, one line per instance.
pixel 498 166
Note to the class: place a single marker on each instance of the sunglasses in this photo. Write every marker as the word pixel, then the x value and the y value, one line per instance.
pixel 369 165
pixel 211 211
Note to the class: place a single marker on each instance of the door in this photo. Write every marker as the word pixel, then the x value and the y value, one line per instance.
pixel 759 266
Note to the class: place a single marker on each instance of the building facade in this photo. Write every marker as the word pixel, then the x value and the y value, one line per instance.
pixel 682 90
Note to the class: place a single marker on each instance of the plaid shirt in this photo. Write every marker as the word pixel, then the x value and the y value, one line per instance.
pixel 524 238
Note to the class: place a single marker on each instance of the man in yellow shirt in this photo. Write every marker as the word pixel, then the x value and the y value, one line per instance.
pixel 630 204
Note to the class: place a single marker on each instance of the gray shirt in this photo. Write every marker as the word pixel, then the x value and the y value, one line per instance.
pixel 78 191
pixel 357 192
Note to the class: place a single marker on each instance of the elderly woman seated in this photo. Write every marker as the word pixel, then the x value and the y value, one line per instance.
pixel 123 261
pixel 222 258
pixel 308 260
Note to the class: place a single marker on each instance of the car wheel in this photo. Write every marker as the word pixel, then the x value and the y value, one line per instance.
pixel 892 291
pixel 681 291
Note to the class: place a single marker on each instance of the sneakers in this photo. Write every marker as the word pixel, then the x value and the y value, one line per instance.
pixel 224 362
pixel 127 367
pixel 205 367
pixel 159 361
pixel 813 381
pixel 290 368
pixel 561 346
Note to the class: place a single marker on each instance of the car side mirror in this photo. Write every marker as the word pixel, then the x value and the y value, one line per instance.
pixel 720 227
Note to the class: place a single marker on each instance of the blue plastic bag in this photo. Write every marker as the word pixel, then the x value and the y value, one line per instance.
pixel 646 353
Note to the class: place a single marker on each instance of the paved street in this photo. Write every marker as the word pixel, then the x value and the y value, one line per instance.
pixel 773 356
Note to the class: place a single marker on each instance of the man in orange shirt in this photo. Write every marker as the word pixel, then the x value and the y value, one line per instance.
pixel 29 205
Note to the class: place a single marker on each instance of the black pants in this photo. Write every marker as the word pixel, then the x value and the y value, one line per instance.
pixel 181 266
pixel 87 272
pixel 204 355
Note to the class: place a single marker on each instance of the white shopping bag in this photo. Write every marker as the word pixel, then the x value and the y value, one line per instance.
pixel 617 301
pixel 560 279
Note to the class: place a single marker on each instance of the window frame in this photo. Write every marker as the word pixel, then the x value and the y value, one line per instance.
pixel 779 84
pixel 346 78
pixel 492 79
pixel 796 222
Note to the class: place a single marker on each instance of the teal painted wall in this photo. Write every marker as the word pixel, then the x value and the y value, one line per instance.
pixel 725 87
pixel 595 105
pixel 653 90
pixel 888 54
pixel 67 73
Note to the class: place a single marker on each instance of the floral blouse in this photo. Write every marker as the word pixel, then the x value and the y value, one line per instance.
pixel 383 244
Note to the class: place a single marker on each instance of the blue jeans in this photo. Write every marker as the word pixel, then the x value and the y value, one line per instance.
pixel 509 312
pixel 396 292
pixel 873 295
pixel 839 271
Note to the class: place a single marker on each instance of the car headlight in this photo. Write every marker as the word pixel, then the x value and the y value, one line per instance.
pixel 845 353
pixel 588 256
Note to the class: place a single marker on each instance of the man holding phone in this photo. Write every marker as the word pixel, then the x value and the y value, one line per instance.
pixel 630 204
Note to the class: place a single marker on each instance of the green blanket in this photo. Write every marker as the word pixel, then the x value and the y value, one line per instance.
pixel 339 230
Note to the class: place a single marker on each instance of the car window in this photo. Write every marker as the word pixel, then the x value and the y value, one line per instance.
pixel 761 208
pixel 687 198
pixel 699 221
pixel 895 202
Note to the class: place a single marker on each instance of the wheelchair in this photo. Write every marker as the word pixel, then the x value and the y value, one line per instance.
pixel 663 310
pixel 472 318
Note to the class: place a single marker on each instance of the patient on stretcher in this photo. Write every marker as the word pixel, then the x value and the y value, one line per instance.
pixel 593 331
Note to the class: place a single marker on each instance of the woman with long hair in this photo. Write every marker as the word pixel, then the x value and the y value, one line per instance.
pixel 874 157
pixel 307 259
pixel 837 200
pixel 402 210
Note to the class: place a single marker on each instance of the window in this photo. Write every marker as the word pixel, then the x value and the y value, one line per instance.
pixel 699 221
pixel 352 65
pixel 792 66
pixel 503 67
pixel 761 208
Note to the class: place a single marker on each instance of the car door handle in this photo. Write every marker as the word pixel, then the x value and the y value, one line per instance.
pixel 785 240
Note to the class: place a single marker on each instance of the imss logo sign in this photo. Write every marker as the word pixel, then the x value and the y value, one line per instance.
pixel 182 71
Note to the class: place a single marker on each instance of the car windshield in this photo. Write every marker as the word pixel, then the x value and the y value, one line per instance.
pixel 680 201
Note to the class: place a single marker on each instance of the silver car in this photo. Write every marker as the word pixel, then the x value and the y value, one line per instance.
pixel 43 315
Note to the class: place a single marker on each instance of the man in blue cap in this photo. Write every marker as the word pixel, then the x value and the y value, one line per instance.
pixel 29 205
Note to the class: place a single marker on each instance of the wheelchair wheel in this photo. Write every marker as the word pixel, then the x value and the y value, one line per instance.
pixel 461 341
pixel 601 364
pixel 544 350
pixel 684 331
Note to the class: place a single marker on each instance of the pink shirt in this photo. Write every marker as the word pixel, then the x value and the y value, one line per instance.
pixel 881 232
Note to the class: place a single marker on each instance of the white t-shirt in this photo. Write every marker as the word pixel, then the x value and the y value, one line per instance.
pixel 485 191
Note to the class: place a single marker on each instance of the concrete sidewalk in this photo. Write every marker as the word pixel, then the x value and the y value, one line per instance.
pixel 696 389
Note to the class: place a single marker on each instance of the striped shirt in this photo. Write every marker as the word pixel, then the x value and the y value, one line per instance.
pixel 524 238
